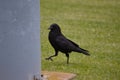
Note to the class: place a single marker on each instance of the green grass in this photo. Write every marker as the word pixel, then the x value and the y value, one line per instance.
pixel 95 26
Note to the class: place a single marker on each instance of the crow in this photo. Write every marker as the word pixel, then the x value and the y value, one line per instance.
pixel 60 43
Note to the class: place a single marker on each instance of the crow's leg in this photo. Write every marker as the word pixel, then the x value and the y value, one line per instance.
pixel 50 58
pixel 67 55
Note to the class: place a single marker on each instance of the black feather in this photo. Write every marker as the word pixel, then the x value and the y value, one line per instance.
pixel 61 43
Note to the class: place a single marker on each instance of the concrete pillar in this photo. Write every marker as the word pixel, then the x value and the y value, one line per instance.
pixel 19 40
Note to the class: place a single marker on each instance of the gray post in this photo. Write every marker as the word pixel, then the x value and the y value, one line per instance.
pixel 19 40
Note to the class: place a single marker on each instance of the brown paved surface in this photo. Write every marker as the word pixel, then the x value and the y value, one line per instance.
pixel 57 75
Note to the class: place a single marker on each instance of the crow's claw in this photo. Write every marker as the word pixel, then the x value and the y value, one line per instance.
pixel 49 58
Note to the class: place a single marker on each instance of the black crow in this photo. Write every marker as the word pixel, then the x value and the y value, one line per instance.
pixel 61 43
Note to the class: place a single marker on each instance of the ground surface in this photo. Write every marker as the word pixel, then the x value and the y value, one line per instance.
pixel 57 75
pixel 95 26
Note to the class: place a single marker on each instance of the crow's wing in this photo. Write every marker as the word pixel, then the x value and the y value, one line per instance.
pixel 64 44
pixel 73 43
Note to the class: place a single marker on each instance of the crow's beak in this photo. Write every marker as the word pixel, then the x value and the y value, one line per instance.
pixel 49 28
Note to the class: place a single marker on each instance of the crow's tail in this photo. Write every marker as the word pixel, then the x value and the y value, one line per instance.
pixel 86 52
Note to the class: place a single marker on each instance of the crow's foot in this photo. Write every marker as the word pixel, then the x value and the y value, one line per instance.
pixel 49 58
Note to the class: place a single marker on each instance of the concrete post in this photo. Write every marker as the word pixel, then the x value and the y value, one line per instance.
pixel 19 40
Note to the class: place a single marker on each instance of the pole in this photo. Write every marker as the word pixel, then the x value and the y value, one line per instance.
pixel 20 40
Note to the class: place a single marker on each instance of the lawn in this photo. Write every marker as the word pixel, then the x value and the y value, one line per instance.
pixel 95 26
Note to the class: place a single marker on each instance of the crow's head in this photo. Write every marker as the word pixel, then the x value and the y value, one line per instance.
pixel 54 27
